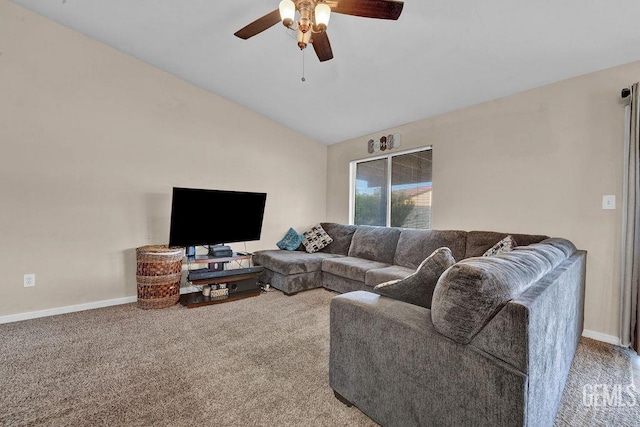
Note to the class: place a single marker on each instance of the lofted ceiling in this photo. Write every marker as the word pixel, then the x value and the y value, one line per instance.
pixel 438 56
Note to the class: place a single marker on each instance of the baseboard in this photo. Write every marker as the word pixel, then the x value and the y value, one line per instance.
pixel 80 307
pixel 64 310
pixel 598 336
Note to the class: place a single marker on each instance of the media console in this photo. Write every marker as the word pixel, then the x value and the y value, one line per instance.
pixel 241 282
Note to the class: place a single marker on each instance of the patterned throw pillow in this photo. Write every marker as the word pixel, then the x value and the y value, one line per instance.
pixel 418 288
pixel 290 241
pixel 316 239
pixel 505 245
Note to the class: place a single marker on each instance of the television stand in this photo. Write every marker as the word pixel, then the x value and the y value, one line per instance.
pixel 242 283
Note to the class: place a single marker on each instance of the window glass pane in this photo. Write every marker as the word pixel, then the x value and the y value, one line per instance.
pixel 411 190
pixel 371 193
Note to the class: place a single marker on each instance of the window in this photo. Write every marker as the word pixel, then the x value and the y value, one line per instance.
pixel 392 190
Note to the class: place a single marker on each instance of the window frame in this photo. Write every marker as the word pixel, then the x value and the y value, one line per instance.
pixel 352 179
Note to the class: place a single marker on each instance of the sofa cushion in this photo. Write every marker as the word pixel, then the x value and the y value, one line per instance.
pixel 566 246
pixel 414 245
pixel 375 276
pixel 350 267
pixel 478 242
pixel 315 239
pixel 290 262
pixel 418 288
pixel 374 243
pixel 472 291
pixel 341 235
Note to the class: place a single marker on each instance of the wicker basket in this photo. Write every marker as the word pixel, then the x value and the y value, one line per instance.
pixel 158 272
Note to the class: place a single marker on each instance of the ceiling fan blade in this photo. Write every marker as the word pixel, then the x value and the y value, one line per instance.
pixel 259 25
pixel 380 9
pixel 322 46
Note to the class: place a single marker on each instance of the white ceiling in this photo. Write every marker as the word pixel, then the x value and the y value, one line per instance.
pixel 439 56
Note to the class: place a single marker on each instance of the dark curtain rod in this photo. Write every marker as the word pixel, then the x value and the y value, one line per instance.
pixel 625 92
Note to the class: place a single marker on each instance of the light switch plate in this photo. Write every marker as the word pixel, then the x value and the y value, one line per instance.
pixel 609 202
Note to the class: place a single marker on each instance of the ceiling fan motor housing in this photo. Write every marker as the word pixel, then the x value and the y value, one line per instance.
pixel 305 7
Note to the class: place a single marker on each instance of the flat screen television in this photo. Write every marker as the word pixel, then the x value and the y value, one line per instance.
pixel 214 217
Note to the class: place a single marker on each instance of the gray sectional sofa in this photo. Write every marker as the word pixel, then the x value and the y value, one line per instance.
pixel 361 257
pixel 494 347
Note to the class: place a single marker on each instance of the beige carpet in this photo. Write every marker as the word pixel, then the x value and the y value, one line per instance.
pixel 602 388
pixel 261 361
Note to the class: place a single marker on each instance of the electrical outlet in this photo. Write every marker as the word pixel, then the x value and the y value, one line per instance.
pixel 29 280
pixel 609 202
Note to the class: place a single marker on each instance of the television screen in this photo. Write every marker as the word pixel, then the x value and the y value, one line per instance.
pixel 211 217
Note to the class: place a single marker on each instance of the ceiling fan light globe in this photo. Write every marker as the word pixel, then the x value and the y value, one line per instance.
pixel 322 15
pixel 287 12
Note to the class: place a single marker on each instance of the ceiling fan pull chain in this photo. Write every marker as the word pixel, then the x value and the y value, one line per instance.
pixel 303 79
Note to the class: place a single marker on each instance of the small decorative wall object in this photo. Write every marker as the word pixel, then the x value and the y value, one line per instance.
pixel 385 142
pixel 393 140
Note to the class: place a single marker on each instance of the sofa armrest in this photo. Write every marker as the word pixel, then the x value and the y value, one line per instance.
pixel 538 333
pixel 388 360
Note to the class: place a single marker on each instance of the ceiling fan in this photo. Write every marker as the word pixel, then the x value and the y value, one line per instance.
pixel 314 17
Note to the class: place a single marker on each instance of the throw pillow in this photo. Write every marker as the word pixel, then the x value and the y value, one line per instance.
pixel 505 245
pixel 418 288
pixel 316 239
pixel 290 241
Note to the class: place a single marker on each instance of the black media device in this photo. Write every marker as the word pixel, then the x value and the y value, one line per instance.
pixel 205 273
pixel 243 286
pixel 220 251
pixel 215 217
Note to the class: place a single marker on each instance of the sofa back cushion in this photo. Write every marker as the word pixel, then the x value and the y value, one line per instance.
pixel 341 235
pixel 375 243
pixel 473 290
pixel 414 245
pixel 478 242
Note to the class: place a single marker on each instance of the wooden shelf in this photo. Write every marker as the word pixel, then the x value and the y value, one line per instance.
pixel 196 299
pixel 225 279
pixel 207 259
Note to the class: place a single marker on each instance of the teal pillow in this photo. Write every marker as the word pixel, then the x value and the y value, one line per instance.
pixel 290 241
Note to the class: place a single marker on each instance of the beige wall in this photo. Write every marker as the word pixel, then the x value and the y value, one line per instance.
pixel 92 142
pixel 535 162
